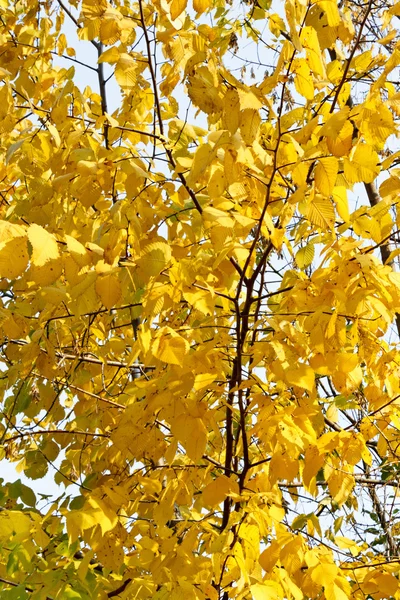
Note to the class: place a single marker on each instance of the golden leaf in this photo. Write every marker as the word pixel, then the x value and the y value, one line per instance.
pixel 331 10
pixel 108 288
pixel 204 92
pixel 126 72
pixel 362 165
pixel 340 485
pixel 201 6
pixel 325 175
pixel 301 375
pixel 268 590
pixel 231 113
pixel 192 433
pixel 109 31
pixel 250 121
pixel 13 257
pixel 154 259
pixel 170 347
pixel 177 7
pixel 303 80
pixel 304 256
pixel 44 245
pixel 111 55
pixel 215 492
pixel 320 212
pixel 339 195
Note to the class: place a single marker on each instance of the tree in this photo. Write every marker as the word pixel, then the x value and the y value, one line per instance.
pixel 200 309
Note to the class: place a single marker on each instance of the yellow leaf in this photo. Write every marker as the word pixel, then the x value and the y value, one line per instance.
pixel 335 123
pixel 354 378
pixel 200 162
pixel 111 56
pixel 331 327
pixel 331 10
pixel 41 538
pixel 321 213
pixel 3 72
pixel 335 592
pixel 250 122
pixel 243 221
pixel 325 174
pixel 303 80
pixel 144 336
pixel 304 256
pixel 94 8
pixel 347 362
pixel 108 288
pixel 211 592
pixel 204 91
pixel 340 486
pixel 339 195
pixel 53 295
pixel 77 522
pixel 84 565
pixel 10 230
pixel 109 31
pixel 170 347
pixel 155 258
pixel 203 380
pixel 362 165
pixel 95 512
pixel 202 300
pixel 301 375
pixel 214 216
pixel 270 556
pixel 44 245
pixel 176 8
pixel 200 6
pixel 313 461
pixel 105 516
pixel 390 188
pixel 343 542
pixel 47 274
pixel 341 144
pixel 387 584
pixel 289 584
pixel 215 492
pixel 54 134
pixel 15 524
pixel 268 590
pixel 231 113
pixel 248 99
pixel 324 574
pixel 367 227
pixel 126 72
pixel 217 183
pixel 276 25
pixel 388 38
pixel 291 14
pixel 77 251
pixel 192 433
pixel 309 40
pixel 13 257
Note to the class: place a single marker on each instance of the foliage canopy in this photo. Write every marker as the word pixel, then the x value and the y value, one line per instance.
pixel 199 319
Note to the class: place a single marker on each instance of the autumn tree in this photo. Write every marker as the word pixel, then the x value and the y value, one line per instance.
pixel 199 314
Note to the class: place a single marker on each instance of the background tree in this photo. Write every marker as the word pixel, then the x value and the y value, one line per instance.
pixel 199 322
